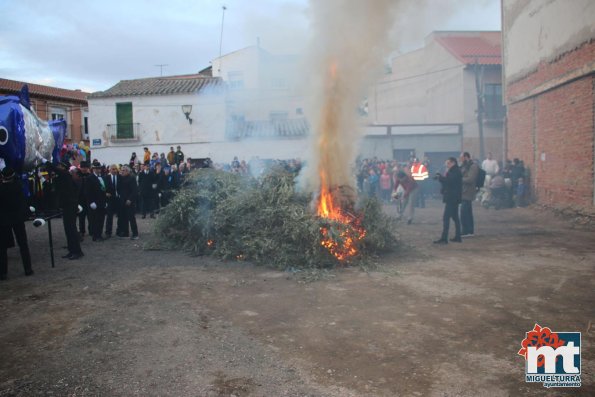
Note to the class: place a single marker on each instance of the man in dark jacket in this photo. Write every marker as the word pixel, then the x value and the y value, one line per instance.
pixel 85 172
pixel 95 192
pixel 112 180
pixel 128 192
pixel 469 171
pixel 12 220
pixel 452 189
pixel 68 196
pixel 147 184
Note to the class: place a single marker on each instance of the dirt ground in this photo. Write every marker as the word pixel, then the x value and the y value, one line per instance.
pixel 429 321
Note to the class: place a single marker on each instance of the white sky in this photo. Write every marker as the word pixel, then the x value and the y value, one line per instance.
pixel 91 45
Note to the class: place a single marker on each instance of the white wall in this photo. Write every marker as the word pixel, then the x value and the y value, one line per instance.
pixel 419 90
pixel 538 30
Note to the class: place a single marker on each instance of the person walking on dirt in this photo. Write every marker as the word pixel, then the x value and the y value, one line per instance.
pixel 452 190
pixel 410 193
pixel 12 220
pixel 470 172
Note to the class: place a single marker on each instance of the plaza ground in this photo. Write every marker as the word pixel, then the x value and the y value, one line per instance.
pixel 427 321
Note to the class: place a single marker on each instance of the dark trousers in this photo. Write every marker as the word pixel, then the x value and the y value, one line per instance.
pixel 467 217
pixel 112 209
pixel 20 235
pixel 82 217
pixel 451 211
pixel 72 237
pixel 126 219
pixel 148 204
pixel 96 219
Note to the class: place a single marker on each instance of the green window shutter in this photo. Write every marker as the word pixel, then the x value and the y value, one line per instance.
pixel 124 120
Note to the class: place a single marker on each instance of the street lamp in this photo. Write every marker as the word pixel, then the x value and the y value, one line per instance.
pixel 187 109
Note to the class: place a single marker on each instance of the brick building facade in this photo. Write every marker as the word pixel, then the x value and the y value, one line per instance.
pixel 550 97
pixel 51 103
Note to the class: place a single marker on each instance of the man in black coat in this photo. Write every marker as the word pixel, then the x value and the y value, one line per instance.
pixel 68 196
pixel 128 192
pixel 12 220
pixel 85 172
pixel 147 185
pixel 452 190
pixel 95 192
pixel 113 199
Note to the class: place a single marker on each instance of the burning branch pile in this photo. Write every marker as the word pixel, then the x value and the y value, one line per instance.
pixel 267 222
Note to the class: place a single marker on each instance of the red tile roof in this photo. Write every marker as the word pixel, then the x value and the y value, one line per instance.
pixel 483 46
pixel 14 87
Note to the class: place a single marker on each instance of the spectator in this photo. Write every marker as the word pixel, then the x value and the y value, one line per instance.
pixel 12 220
pixel 171 156
pixel 470 172
pixel 179 156
pixel 147 155
pixel 95 191
pixel 133 160
pixel 452 190
pixel 128 193
pixel 385 185
pixel 147 186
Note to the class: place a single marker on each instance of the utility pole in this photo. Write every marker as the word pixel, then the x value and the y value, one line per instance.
pixel 161 66
pixel 480 109
pixel 221 36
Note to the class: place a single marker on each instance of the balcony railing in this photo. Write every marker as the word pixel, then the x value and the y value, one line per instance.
pixel 124 132
pixel 288 129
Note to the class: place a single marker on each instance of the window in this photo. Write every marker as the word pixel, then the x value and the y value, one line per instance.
pixel 124 127
pixel 493 108
pixel 236 80
pixel 278 116
pixel 86 125
pixel 57 113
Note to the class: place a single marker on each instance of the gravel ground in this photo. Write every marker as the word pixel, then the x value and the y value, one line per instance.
pixel 429 321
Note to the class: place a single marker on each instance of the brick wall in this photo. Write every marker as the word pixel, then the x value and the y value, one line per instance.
pixel 553 132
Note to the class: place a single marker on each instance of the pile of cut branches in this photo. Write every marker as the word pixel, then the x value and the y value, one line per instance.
pixel 261 220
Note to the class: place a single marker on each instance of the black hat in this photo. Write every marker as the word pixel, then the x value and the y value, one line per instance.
pixel 65 164
pixel 7 173
pixel 96 164
pixel 83 164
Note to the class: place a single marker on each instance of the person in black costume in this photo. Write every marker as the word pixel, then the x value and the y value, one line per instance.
pixel 12 220
pixel 452 191
pixel 128 192
pixel 95 192
pixel 68 196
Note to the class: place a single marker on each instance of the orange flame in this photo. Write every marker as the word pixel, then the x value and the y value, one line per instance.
pixel 347 229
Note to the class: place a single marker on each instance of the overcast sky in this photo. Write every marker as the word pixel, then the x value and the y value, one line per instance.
pixel 91 45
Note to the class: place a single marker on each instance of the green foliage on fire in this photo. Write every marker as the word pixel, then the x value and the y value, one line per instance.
pixel 264 221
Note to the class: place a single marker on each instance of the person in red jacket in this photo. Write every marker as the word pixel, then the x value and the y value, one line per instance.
pixel 411 189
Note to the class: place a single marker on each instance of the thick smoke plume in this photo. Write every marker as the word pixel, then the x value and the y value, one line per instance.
pixel 349 41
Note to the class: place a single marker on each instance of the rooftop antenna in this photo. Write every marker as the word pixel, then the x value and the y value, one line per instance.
pixel 161 66
pixel 223 8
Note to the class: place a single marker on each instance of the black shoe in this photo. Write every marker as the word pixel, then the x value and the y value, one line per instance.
pixel 67 256
pixel 143 217
pixel 134 238
pixel 107 235
pixel 441 241
pixel 152 216
pixel 456 240
pixel 74 257
pixel 98 239
pixel 29 272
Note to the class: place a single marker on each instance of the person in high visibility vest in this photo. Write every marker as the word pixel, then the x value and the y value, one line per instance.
pixel 419 173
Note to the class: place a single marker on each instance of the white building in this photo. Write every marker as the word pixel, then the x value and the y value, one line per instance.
pixel 428 104
pixel 248 107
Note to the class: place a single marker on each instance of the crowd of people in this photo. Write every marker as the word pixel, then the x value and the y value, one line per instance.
pixel 91 195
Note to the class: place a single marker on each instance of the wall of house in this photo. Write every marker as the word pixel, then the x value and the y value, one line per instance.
pixel 425 86
pixel 492 131
pixel 549 51
pixel 382 147
pixel 161 121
